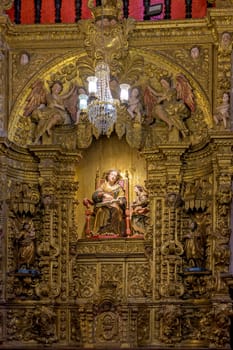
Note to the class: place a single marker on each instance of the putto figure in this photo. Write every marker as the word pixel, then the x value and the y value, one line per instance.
pixel 173 104
pixel 222 113
pixel 135 108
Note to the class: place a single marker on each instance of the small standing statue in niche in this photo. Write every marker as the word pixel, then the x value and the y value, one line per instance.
pixel 194 247
pixel 110 203
pixel 140 210
pixel 25 242
pixel 48 109
pixel 222 113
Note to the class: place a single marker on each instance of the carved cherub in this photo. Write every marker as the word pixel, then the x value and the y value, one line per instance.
pixel 50 108
pixel 172 104
pixel 222 113
pixel 135 108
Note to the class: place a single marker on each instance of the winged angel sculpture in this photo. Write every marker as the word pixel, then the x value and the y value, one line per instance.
pixel 50 107
pixel 173 104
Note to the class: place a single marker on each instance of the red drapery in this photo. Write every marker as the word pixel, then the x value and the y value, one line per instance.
pixel 68 10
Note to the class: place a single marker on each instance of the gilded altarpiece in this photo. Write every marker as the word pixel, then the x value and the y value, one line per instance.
pixel 163 280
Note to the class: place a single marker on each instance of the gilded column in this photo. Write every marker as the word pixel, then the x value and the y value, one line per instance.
pixel 220 248
pixel 58 232
pixel 222 211
pixel 164 186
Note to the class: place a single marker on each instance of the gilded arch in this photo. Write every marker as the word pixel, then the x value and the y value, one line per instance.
pixel 139 68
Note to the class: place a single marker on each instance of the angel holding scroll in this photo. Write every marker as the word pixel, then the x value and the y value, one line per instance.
pixel 48 109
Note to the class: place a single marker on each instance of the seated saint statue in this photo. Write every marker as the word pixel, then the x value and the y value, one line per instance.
pixel 109 206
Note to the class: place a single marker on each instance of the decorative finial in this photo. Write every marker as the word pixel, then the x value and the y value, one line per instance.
pixel 111 9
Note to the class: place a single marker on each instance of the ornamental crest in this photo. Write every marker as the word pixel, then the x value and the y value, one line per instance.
pixel 106 36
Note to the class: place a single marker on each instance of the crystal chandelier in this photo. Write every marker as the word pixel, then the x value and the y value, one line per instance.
pixel 99 105
pixel 102 109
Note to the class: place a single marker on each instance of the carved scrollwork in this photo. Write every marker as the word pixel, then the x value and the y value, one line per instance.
pixel 220 324
pixel 197 285
pixel 170 318
pixel 139 281
pixel 114 274
pixel 43 325
pixel 36 325
pixel 172 248
pixel 85 277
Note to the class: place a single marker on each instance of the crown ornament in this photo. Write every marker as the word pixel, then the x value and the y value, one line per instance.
pixel 111 9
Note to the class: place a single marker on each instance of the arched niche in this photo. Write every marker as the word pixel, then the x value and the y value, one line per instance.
pixel 105 154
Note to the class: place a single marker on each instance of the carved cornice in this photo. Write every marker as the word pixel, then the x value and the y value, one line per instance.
pixel 149 31
pixel 221 19
pixel 33 36
pixel 169 31
pixel 55 153
pixel 16 153
pixel 121 247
